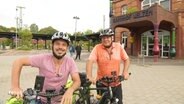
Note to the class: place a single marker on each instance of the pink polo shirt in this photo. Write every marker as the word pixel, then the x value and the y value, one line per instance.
pixel 46 68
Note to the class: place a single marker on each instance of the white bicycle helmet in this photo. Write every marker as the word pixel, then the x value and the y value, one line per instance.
pixel 107 32
pixel 60 35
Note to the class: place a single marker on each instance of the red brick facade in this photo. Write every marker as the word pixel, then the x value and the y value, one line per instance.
pixel 155 19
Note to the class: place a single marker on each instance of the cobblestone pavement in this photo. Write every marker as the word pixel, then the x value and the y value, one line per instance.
pixel 150 83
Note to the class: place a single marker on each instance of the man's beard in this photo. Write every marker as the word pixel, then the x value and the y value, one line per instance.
pixel 57 56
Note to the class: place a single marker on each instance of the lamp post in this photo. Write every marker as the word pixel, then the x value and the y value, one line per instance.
pixel 18 23
pixel 16 28
pixel 76 18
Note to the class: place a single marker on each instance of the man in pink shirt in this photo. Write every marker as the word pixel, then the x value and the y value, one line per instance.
pixel 108 56
pixel 55 67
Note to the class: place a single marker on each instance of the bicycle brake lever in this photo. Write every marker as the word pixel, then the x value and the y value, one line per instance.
pixel 121 78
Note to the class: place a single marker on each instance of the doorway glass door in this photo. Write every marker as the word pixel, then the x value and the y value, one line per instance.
pixel 165 46
pixel 150 45
pixel 144 45
pixel 147 43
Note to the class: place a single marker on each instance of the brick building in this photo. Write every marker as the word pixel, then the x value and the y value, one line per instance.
pixel 154 28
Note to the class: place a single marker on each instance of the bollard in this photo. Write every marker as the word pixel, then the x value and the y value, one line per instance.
pixel 139 58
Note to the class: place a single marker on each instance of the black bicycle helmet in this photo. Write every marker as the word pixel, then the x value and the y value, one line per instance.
pixel 61 35
pixel 107 32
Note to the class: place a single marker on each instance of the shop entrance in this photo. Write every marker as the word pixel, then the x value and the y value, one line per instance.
pixel 147 43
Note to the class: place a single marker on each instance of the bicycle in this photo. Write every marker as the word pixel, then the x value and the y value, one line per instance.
pixel 84 96
pixel 83 90
pixel 32 96
pixel 106 98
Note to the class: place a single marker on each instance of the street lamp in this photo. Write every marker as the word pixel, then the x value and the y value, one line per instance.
pixel 16 28
pixel 18 23
pixel 76 18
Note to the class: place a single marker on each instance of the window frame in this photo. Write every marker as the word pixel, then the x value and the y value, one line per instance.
pixel 149 4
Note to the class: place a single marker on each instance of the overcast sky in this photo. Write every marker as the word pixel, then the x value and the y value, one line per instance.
pixel 57 13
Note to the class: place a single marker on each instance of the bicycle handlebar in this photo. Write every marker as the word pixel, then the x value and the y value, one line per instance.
pixel 31 94
pixel 111 79
pixel 51 93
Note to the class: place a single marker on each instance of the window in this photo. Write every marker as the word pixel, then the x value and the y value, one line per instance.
pixel 124 39
pixel 124 9
pixel 147 3
pixel 154 1
pixel 146 7
pixel 165 4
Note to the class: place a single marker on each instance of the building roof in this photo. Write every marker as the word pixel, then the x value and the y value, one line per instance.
pixel 92 36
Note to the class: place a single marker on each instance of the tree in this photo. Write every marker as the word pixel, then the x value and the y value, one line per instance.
pixel 12 29
pixel 34 28
pixel 26 37
pixel 100 30
pixel 47 30
pixel 88 32
pixel 3 29
pixel 68 34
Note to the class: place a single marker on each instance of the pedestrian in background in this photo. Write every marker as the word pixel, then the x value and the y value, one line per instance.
pixel 71 49
pixel 78 50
